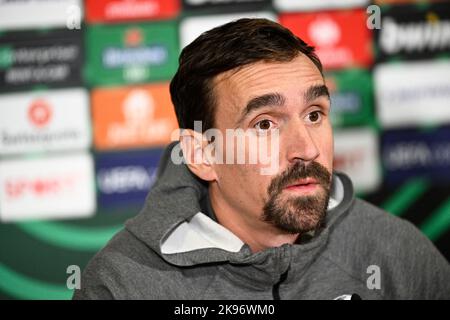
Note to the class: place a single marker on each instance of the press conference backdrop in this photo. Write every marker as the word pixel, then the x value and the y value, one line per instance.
pixel 85 112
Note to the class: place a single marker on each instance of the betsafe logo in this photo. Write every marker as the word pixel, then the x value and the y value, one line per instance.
pixel 40 113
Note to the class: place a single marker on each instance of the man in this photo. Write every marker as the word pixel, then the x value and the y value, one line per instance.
pixel 216 229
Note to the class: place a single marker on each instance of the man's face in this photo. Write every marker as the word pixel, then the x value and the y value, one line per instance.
pixel 289 97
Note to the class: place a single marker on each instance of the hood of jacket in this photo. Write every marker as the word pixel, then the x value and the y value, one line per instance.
pixel 173 225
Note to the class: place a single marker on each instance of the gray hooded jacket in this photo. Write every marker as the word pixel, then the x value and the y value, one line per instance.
pixel 174 249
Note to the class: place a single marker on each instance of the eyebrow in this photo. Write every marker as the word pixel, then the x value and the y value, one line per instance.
pixel 270 99
pixel 277 100
pixel 315 92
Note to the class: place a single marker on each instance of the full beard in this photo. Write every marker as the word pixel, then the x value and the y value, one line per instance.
pixel 298 214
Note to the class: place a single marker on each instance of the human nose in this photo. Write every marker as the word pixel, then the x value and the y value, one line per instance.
pixel 300 145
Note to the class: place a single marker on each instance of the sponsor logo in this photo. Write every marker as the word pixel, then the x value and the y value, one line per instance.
pixel 132 53
pixel 28 59
pixel 341 38
pixel 383 2
pixel 351 96
pixel 348 102
pixel 133 37
pixel 126 178
pixel 130 10
pixel 49 187
pixel 40 187
pixel 356 153
pixel 152 55
pixel 138 110
pixel 51 120
pixel 192 4
pixel 412 93
pixel 410 153
pixel 6 57
pixel 294 5
pixel 133 117
pixel 28 14
pixel 203 2
pixel 412 32
pixel 324 31
pixel 39 113
pixel 192 27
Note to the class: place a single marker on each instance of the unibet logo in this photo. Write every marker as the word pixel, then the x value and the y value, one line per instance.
pixel 133 37
pixel 324 32
pixel 39 113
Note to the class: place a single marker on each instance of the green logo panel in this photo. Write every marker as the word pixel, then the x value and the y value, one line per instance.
pixel 6 57
pixel 131 53
pixel 351 97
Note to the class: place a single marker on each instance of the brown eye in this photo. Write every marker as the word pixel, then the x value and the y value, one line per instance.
pixel 314 116
pixel 264 125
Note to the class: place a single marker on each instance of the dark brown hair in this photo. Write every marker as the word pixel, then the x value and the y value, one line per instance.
pixel 224 48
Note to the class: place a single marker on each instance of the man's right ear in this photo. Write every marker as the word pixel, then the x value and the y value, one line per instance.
pixel 193 145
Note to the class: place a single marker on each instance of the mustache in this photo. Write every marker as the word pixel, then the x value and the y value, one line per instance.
pixel 300 171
